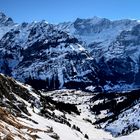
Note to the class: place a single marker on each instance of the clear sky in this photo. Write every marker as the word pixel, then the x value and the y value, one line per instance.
pixel 56 11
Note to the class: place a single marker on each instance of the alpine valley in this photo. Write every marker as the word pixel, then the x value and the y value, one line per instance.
pixel 70 81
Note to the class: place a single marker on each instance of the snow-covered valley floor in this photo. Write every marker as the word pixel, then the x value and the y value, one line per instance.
pixel 84 121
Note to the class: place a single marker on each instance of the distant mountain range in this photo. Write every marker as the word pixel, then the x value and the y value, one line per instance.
pixel 89 54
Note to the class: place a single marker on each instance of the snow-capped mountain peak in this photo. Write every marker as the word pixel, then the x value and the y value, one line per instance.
pixel 6 24
pixel 5 21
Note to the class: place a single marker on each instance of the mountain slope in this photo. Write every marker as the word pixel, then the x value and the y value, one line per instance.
pixel 21 118
pixel 39 52
pixel 66 114
pixel 26 114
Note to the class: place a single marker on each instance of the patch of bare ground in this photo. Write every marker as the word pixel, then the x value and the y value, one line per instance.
pixel 11 128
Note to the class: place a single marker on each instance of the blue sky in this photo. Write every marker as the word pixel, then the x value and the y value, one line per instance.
pixel 56 11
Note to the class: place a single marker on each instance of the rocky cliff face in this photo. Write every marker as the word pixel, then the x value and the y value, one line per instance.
pixel 114 46
pixel 99 31
pixel 120 64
